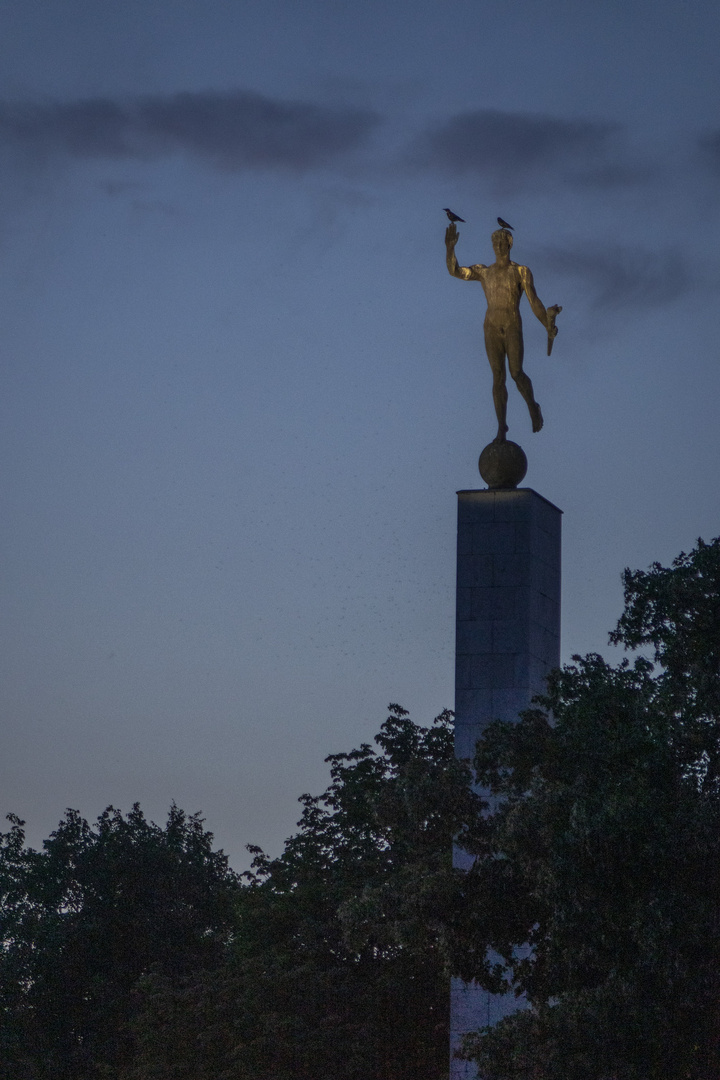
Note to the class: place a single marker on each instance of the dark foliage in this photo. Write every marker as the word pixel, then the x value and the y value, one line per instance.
pixel 604 851
pixel 340 962
pixel 132 952
pixel 83 921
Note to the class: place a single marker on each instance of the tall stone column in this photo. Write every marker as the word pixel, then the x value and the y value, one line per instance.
pixel 507 640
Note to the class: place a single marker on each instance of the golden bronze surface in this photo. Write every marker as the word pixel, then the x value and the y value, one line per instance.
pixel 504 282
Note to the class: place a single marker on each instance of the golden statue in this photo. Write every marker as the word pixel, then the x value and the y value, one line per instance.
pixel 504 283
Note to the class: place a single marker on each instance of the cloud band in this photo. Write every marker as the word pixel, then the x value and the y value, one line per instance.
pixel 235 131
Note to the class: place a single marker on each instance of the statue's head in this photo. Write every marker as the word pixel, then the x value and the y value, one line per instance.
pixel 502 241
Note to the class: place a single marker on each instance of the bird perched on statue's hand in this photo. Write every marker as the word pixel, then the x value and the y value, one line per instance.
pixel 453 217
pixel 503 224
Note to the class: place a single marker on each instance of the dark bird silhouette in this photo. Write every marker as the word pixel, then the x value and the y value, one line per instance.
pixel 453 217
pixel 503 224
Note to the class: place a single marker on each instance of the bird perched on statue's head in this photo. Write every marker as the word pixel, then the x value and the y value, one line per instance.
pixel 503 224
pixel 453 217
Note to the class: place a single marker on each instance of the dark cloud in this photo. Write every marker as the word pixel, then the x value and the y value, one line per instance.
pixel 613 277
pixel 513 149
pixel 229 131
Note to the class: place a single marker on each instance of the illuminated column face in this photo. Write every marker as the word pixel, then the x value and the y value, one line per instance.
pixel 507 640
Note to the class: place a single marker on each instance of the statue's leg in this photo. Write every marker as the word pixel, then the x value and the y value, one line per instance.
pixel 515 352
pixel 495 349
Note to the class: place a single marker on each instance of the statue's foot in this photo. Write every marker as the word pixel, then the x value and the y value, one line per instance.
pixel 536 416
pixel 501 435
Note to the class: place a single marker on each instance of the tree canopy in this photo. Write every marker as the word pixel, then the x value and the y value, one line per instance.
pixel 86 918
pixel 341 957
pixel 604 851
pixel 132 951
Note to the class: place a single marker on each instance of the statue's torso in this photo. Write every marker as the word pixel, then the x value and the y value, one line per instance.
pixel 503 286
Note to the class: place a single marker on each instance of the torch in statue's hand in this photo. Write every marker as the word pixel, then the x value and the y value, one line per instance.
pixel 552 330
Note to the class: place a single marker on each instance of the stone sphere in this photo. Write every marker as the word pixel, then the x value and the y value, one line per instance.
pixel 503 465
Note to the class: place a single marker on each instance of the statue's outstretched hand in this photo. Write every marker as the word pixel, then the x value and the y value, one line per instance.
pixel 451 235
pixel 552 314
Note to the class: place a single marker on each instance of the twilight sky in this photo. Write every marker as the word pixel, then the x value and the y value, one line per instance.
pixel 240 390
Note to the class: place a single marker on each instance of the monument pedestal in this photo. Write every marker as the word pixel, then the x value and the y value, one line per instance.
pixel 507 640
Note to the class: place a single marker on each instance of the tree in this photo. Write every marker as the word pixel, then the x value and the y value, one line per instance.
pixel 341 956
pixel 604 851
pixel 85 919
pixel 132 952
pixel 676 610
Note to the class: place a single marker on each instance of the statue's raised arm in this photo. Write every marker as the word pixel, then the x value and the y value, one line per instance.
pixel 451 238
